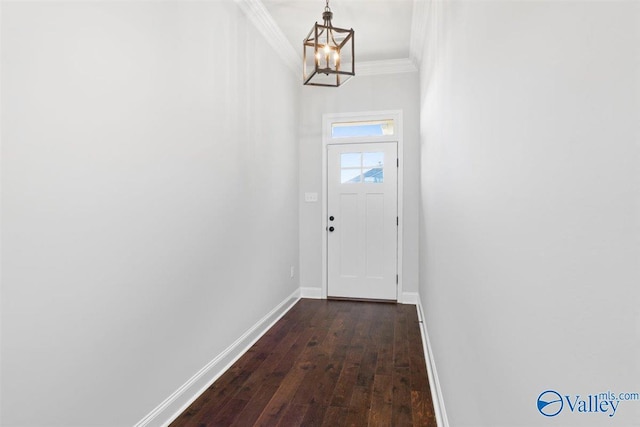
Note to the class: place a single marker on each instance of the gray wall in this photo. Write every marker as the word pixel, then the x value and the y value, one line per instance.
pixel 149 168
pixel 360 94
pixel 530 214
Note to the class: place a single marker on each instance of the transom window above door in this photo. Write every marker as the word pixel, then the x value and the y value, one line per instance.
pixel 363 128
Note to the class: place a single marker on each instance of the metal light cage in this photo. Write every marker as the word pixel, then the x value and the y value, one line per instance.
pixel 328 56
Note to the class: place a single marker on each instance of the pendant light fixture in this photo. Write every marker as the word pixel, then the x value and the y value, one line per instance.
pixel 328 57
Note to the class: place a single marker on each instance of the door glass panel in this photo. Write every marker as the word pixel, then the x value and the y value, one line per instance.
pixel 361 167
pixel 350 160
pixel 372 159
pixel 374 175
pixel 348 176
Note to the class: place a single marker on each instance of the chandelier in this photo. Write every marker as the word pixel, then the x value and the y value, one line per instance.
pixel 328 58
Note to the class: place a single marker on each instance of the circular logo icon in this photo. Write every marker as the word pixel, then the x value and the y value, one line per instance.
pixel 550 403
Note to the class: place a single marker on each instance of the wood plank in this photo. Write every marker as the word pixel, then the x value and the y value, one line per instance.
pixel 422 413
pixel 226 415
pixel 368 367
pixel 400 345
pixel 351 365
pixel 343 390
pixel 385 344
pixel 294 416
pixel 250 413
pixel 381 401
pixel 335 416
pixel 401 404
pixel 314 416
pixel 359 406
pixel 277 406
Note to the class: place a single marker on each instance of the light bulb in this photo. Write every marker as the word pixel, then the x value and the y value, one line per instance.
pixel 336 57
pixel 318 56
pixel 327 49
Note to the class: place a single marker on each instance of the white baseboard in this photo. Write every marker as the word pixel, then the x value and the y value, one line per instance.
pixel 180 400
pixel 314 293
pixel 434 382
pixel 410 298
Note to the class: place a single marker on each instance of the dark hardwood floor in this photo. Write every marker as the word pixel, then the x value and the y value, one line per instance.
pixel 325 363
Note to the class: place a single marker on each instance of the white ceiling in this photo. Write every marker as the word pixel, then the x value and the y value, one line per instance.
pixel 382 27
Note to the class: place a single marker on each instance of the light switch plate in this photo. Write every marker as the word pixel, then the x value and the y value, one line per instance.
pixel 310 197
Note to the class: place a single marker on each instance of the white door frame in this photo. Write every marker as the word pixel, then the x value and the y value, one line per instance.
pixel 327 139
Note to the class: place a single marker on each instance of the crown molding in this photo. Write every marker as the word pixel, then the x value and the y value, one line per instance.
pixel 389 66
pixel 418 35
pixel 264 23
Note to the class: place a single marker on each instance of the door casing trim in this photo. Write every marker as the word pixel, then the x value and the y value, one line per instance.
pixel 327 139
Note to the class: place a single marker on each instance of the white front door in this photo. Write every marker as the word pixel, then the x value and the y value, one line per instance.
pixel 362 209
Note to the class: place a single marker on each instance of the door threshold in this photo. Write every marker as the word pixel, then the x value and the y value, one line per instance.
pixel 385 301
